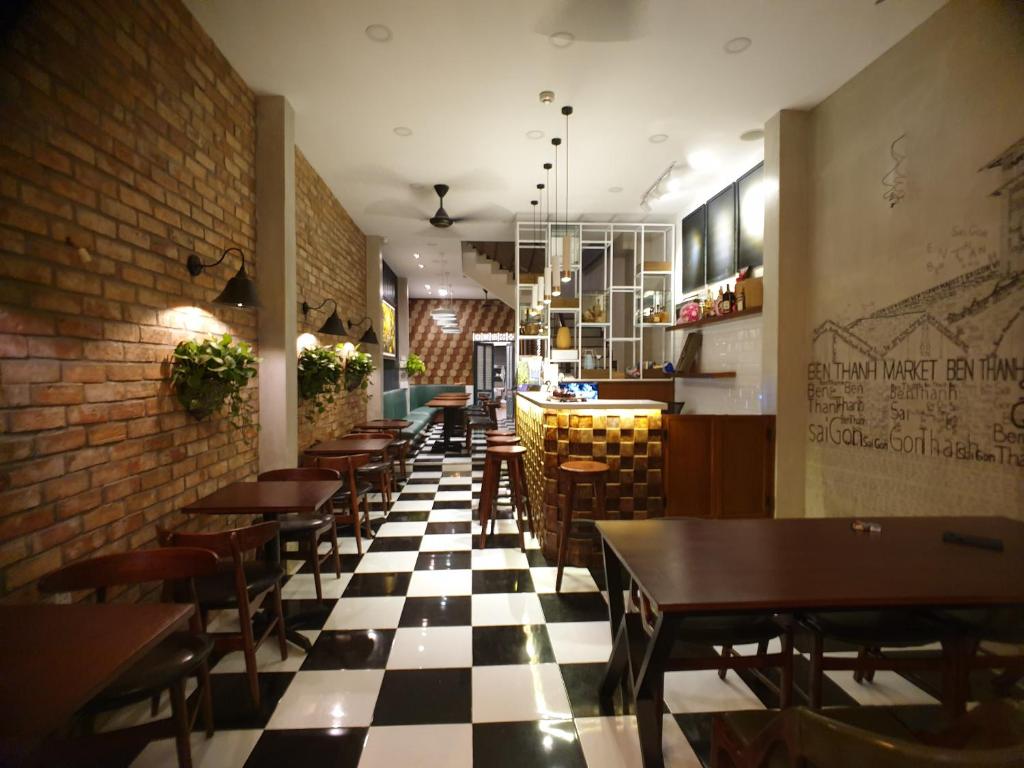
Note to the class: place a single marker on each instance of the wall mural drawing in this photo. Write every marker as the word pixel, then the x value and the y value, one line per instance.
pixel 939 374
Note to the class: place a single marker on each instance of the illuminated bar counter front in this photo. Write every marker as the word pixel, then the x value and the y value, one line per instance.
pixel 624 434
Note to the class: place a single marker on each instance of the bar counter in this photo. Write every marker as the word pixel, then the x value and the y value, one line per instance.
pixel 624 434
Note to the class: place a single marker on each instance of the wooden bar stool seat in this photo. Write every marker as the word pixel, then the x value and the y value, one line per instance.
pixel 500 433
pixel 503 440
pixel 571 474
pixel 512 457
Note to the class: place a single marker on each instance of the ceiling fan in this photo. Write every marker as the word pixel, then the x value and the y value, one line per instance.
pixel 441 219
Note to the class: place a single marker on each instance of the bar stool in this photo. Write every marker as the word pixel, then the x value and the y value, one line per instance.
pixel 573 473
pixel 512 456
pixel 500 433
pixel 503 440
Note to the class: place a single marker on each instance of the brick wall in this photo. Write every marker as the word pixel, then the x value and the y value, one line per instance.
pixel 449 358
pixel 126 143
pixel 330 263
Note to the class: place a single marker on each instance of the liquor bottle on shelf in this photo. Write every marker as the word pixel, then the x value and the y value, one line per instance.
pixel 727 300
pixel 718 302
pixel 741 301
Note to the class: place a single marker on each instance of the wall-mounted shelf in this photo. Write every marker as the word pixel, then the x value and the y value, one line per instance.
pixel 707 375
pixel 716 319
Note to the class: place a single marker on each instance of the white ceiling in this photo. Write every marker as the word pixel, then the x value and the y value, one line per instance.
pixel 464 76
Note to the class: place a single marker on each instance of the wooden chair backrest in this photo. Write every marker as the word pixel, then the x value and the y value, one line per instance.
pixel 388 435
pixel 97 574
pixel 233 543
pixel 299 473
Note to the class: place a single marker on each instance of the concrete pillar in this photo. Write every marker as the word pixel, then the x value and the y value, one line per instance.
pixel 787 220
pixel 275 257
pixel 374 273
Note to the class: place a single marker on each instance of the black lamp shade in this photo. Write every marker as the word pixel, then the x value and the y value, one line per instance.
pixel 333 325
pixel 369 337
pixel 240 291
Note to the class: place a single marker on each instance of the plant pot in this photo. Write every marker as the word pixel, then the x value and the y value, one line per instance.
pixel 208 400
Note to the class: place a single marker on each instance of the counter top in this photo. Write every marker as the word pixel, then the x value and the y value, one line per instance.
pixel 544 402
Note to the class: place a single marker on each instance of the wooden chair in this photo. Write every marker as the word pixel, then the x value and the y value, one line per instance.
pixel 380 470
pixel 989 638
pixel 306 530
pixel 356 491
pixel 174 660
pixel 242 584
pixel 990 736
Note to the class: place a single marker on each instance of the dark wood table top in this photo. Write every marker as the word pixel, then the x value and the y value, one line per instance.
pixel 55 658
pixel 385 424
pixel 350 445
pixel 448 402
pixel 274 496
pixel 691 565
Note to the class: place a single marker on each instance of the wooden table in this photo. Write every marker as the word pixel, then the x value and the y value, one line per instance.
pixel 690 567
pixel 270 498
pixel 55 658
pixel 385 425
pixel 452 403
pixel 346 446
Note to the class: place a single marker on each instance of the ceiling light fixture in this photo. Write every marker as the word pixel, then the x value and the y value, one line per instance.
pixel 556 287
pixel 546 97
pixel 420 266
pixel 562 40
pixel 415 255
pixel 535 134
pixel 566 237
pixel 442 291
pixel 240 290
pixel 427 286
pixel 737 44
pixel 378 33
pixel 755 135
pixel 659 188
pixel 402 131
pixel 658 138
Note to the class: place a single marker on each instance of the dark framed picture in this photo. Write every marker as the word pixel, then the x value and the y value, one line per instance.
pixel 694 237
pixel 750 230
pixel 721 236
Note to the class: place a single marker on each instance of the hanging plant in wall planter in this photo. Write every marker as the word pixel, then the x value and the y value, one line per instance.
pixel 414 365
pixel 358 368
pixel 321 370
pixel 212 374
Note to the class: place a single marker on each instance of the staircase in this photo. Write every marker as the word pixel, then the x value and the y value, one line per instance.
pixel 490 265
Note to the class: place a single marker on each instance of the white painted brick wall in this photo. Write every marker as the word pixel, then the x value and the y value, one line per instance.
pixel 728 346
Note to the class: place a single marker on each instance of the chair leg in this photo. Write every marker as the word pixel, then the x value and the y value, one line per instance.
pixel 515 481
pixel 206 698
pixel 154 704
pixel 334 548
pixel 487 491
pixel 786 683
pixel 563 533
pixel 249 651
pixel 356 524
pixel 814 686
pixel 858 672
pixel 366 516
pixel 726 653
pixel 179 713
pixel 315 552
pixel 282 636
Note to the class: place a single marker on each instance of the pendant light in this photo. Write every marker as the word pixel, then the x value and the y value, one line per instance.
pixel 545 272
pixel 566 238
pixel 556 288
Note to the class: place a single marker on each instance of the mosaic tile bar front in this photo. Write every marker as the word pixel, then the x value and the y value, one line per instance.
pixel 627 439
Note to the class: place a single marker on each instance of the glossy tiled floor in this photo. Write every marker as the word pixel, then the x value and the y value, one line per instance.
pixel 430 653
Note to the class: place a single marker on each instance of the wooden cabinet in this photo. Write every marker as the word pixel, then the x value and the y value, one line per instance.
pixel 719 466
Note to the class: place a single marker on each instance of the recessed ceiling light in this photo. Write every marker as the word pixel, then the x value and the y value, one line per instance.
pixel 442 292
pixel 535 134
pixel 702 160
pixel 403 131
pixel 737 44
pixel 562 39
pixel 755 135
pixel 427 286
pixel 415 255
pixel 420 266
pixel 615 190
pixel 378 33
pixel 658 138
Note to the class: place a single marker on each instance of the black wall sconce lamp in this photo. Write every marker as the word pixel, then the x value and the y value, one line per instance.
pixel 240 290
pixel 334 325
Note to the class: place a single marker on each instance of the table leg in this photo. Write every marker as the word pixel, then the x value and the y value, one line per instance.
pixel 615 670
pixel 272 552
pixel 650 692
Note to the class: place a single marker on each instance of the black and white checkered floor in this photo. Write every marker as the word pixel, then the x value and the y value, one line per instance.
pixel 434 654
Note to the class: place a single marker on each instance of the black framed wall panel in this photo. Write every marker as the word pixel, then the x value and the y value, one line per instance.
pixel 721 237
pixel 694 235
pixel 750 218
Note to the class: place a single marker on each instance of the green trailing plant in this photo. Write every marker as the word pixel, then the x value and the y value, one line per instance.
pixel 358 368
pixel 321 370
pixel 414 365
pixel 213 373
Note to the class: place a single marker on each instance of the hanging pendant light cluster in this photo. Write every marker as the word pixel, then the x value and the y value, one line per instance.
pixel 559 242
pixel 445 317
